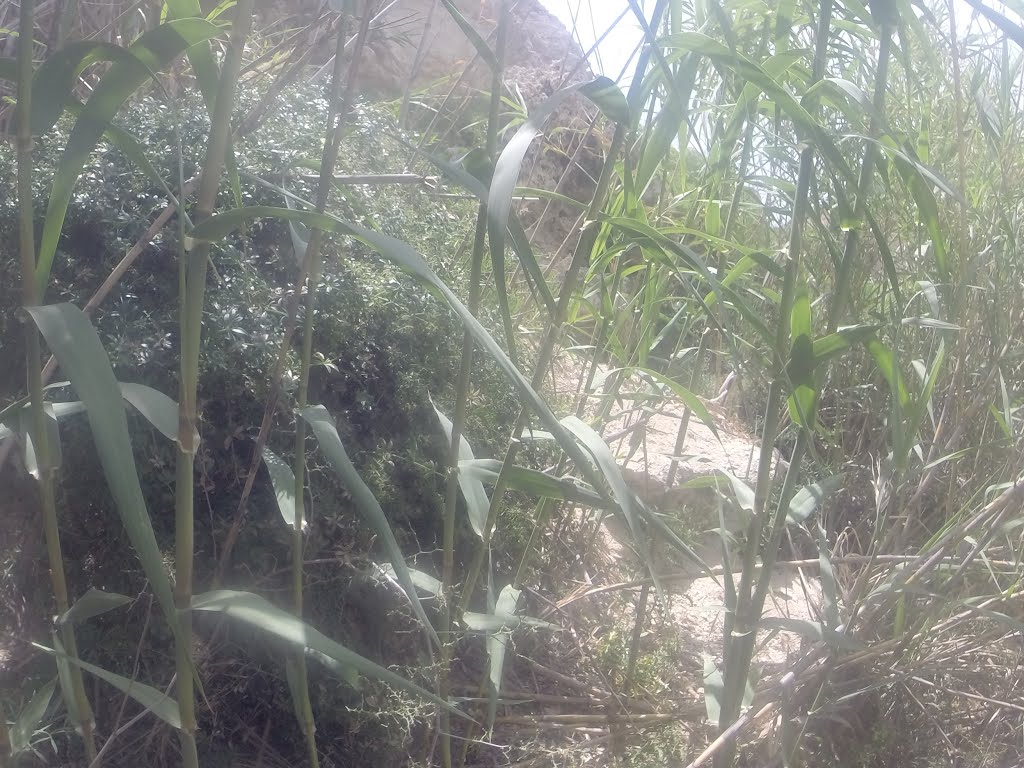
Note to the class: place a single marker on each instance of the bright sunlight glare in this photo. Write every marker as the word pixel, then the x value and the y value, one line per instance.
pixel 611 29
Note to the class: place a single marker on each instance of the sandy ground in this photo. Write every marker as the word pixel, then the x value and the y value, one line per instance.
pixel 695 606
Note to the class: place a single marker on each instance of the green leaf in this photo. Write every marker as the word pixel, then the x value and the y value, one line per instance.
pixel 54 81
pixel 497 643
pixel 807 499
pixel 829 346
pixel 918 408
pixel 407 259
pixel 520 241
pixel 601 454
pixel 149 54
pixel 534 482
pixel 422 580
pixel 283 480
pixel 82 358
pixel 800 368
pixel 258 614
pixel 506 176
pixel 829 582
pixel 814 630
pixel 28 722
pixel 608 97
pixel 930 322
pixel 52 434
pixel 714 689
pixel 330 444
pixel 687 397
pixel 93 603
pixel 477 503
pixel 742 493
pixel 632 508
pixel 501 621
pixel 157 408
pixel 886 363
pixel 160 704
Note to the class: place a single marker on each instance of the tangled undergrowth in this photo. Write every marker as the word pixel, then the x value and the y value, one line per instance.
pixel 422 574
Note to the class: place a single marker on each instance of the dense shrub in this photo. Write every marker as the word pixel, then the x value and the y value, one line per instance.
pixel 383 348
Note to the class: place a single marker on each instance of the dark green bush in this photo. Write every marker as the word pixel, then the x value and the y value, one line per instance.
pixel 383 348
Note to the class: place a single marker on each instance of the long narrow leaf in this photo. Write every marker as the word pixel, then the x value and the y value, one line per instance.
pixel 406 258
pixel 157 702
pixel 258 614
pixel 534 482
pixel 283 480
pixel 149 54
pixel 477 503
pixel 83 360
pixel 31 716
pixel 93 603
pixel 330 443
pixel 606 95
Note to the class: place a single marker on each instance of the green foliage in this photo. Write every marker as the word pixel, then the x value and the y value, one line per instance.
pixel 816 197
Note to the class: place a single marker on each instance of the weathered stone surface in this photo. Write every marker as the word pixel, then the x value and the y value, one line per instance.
pixel 541 56
pixel 537 42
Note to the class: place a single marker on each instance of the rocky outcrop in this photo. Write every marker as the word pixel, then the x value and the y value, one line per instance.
pixel 421 40
pixel 419 43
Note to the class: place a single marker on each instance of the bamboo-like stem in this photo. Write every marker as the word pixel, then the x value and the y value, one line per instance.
pixel 580 259
pixel 337 112
pixel 842 290
pixel 417 65
pixel 581 256
pixel 634 643
pixel 192 283
pixel 462 400
pixel 740 631
pixel 31 296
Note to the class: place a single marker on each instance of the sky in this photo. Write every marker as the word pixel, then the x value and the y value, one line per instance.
pixel 592 18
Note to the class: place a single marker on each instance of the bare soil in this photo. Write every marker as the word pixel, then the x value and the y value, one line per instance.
pixel 694 605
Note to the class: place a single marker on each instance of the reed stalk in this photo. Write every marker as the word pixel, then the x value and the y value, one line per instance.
pixel 337 112
pixel 740 631
pixel 462 399
pixel 31 297
pixel 192 284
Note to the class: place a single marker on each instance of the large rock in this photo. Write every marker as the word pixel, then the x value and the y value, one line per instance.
pixel 537 43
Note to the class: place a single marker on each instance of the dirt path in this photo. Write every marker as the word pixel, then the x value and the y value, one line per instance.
pixel 645 452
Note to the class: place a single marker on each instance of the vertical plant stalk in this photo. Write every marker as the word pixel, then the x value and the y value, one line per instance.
pixel 40 437
pixel 842 289
pixel 634 642
pixel 336 117
pixel 462 399
pixel 580 258
pixel 417 65
pixel 740 631
pixel 192 284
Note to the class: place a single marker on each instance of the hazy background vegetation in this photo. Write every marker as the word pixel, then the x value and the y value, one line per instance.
pixel 367 320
